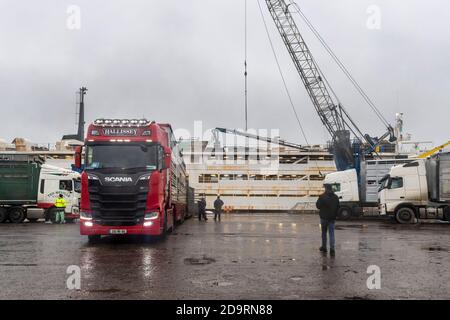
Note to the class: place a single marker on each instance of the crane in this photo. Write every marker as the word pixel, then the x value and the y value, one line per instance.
pixel 256 137
pixel 333 115
pixel 433 151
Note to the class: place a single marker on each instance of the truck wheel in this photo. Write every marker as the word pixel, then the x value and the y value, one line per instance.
pixel 94 238
pixel 345 213
pixel 404 215
pixel 164 231
pixel 447 214
pixel 3 215
pixel 16 215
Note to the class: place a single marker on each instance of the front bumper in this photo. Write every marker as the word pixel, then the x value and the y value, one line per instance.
pixel 382 209
pixel 140 229
pixel 71 216
pixel 385 209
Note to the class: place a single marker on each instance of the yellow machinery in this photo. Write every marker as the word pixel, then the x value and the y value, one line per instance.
pixel 433 151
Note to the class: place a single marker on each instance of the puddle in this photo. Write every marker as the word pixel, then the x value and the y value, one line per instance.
pixel 199 261
pixel 437 248
pixel 297 278
pixel 354 271
pixel 110 290
pixel 224 284
pixel 353 226
pixel 18 265
pixel 356 298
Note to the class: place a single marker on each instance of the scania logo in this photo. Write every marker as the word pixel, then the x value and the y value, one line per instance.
pixel 118 179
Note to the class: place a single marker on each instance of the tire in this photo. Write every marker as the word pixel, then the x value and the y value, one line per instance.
pixel 174 218
pixel 345 213
pixel 3 215
pixel 447 214
pixel 94 238
pixel 164 232
pixel 404 215
pixel 183 218
pixel 16 214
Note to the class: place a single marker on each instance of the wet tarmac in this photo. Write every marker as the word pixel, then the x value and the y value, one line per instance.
pixel 249 256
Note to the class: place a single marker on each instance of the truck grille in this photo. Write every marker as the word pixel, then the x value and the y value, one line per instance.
pixel 118 205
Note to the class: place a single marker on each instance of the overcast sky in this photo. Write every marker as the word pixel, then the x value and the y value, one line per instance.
pixel 182 60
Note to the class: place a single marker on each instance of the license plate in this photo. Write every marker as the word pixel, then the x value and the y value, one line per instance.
pixel 118 231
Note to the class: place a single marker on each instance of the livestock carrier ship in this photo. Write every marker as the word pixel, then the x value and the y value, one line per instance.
pixel 273 178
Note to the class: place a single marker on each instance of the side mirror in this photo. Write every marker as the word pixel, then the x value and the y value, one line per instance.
pixel 167 157
pixel 78 151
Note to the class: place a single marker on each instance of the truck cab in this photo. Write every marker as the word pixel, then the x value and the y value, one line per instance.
pixel 345 185
pixel 127 180
pixel 405 184
pixel 53 182
pixel 408 191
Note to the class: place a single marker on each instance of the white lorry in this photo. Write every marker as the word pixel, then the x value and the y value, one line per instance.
pixel 417 190
pixel 358 197
pixel 29 188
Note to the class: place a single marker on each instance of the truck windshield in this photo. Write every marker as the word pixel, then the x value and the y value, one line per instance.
pixel 123 156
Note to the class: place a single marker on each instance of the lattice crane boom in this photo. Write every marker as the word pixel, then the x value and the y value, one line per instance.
pixel 334 117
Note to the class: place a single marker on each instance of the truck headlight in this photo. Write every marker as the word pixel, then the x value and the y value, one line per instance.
pixel 85 216
pixel 92 177
pixel 145 177
pixel 151 216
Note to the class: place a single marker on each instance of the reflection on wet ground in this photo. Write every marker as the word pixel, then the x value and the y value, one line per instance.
pixel 260 256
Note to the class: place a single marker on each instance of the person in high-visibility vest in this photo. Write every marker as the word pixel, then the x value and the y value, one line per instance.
pixel 60 204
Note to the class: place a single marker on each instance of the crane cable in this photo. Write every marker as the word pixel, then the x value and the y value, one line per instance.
pixel 340 64
pixel 245 67
pixel 285 84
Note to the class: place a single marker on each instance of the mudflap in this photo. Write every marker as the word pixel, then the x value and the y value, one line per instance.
pixel 170 219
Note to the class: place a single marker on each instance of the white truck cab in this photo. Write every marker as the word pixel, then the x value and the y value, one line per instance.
pixel 54 181
pixel 345 185
pixel 416 190
pixel 404 182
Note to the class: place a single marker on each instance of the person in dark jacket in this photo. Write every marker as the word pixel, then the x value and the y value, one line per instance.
pixel 202 209
pixel 328 204
pixel 218 204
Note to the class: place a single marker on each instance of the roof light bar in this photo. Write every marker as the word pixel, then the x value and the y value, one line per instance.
pixel 122 122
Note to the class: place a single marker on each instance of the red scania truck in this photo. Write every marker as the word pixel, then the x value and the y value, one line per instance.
pixel 133 180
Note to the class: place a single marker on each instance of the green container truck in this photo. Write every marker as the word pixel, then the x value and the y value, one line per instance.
pixel 29 187
pixel 19 180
